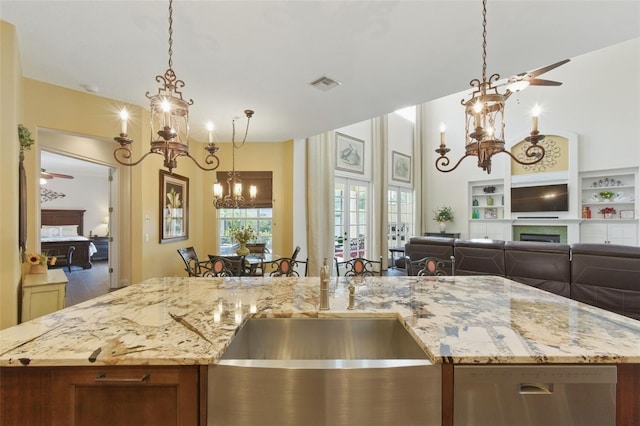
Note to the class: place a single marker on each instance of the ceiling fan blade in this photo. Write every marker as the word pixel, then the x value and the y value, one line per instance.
pixel 541 82
pixel 548 68
pixel 58 175
pixel 46 175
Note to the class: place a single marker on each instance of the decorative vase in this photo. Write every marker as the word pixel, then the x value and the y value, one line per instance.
pixel 607 215
pixel 443 227
pixel 38 269
pixel 243 250
pixel 489 200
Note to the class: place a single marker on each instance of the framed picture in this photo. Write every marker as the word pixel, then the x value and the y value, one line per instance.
pixel 491 213
pixel 349 154
pixel 626 214
pixel 174 207
pixel 400 167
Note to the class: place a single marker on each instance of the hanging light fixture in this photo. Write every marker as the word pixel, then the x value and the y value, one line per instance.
pixel 169 121
pixel 484 127
pixel 234 198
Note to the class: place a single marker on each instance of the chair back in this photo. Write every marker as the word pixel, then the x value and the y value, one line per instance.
pixel 288 267
pixel 360 267
pixel 430 266
pixel 226 266
pixel 190 258
pixel 295 253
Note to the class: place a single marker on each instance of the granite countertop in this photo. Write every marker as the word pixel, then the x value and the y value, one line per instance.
pixel 188 321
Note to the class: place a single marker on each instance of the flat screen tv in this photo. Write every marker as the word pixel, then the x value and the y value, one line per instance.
pixel 543 198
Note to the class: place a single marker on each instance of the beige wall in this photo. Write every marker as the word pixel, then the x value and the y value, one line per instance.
pixel 49 108
pixel 10 116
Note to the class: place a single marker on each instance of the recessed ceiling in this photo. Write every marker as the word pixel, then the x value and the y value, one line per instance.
pixel 261 55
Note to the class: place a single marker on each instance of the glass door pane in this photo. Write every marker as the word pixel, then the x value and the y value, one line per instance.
pixel 351 218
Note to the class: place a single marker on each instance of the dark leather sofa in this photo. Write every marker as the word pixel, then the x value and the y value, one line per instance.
pixel 602 275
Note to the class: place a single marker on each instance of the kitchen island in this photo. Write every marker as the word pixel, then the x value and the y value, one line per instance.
pixel 456 320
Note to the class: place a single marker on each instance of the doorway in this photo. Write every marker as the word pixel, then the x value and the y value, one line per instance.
pixel 76 181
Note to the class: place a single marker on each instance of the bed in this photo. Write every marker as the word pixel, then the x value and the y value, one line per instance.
pixel 62 236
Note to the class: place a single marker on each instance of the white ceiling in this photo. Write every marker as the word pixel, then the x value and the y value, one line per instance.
pixel 262 55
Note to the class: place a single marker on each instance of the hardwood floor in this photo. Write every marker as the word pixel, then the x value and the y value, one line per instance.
pixel 85 284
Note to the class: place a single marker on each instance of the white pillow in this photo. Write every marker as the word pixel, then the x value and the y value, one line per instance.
pixel 50 231
pixel 69 230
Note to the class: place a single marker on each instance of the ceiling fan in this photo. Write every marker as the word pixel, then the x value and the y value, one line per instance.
pixel 46 175
pixel 523 80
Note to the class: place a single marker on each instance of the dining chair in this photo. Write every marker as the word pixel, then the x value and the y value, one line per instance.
pixel 226 266
pixel 430 266
pixel 359 267
pixel 193 266
pixel 288 267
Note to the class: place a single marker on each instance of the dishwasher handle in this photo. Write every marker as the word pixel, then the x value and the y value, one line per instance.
pixel 535 388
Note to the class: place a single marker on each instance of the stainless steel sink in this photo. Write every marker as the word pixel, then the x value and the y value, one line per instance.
pixel 324 371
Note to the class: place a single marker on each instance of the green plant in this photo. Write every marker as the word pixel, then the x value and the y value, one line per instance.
pixel 243 234
pixel 607 195
pixel 443 214
pixel 24 135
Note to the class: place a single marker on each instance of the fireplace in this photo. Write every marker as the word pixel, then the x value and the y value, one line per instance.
pixel 547 238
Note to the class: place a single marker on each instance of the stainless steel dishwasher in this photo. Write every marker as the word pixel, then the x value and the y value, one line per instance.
pixel 535 395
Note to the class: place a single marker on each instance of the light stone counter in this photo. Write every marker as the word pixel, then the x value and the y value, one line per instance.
pixel 186 321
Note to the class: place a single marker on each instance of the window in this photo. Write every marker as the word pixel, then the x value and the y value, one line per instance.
pixel 351 211
pixel 400 224
pixel 260 220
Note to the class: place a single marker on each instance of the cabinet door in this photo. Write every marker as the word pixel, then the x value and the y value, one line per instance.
pixel 477 230
pixel 593 233
pixel 126 395
pixel 495 231
pixel 622 233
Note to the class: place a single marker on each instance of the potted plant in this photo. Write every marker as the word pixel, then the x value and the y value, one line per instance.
pixel 243 235
pixel 443 215
pixel 607 212
pixel 39 262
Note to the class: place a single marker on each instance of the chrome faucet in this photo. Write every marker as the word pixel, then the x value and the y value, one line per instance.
pixel 324 286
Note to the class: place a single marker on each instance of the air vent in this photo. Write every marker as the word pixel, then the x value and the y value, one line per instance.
pixel 325 83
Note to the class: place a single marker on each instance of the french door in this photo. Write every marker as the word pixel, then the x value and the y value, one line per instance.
pixel 400 224
pixel 351 207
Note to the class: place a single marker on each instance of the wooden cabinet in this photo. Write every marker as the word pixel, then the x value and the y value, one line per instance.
pixel 102 247
pixel 43 293
pixel 492 229
pixel 609 232
pixel 102 395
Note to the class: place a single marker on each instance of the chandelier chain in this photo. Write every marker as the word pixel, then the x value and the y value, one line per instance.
pixel 170 34
pixel 484 40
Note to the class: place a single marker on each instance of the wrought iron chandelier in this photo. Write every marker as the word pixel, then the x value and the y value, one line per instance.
pixel 234 198
pixel 169 121
pixel 484 121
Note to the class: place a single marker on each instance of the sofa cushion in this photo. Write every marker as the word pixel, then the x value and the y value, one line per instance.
pixel 539 264
pixel 479 257
pixel 607 276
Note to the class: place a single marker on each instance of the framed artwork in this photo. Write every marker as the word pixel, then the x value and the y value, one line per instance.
pixel 626 214
pixel 400 167
pixel 491 213
pixel 349 154
pixel 174 207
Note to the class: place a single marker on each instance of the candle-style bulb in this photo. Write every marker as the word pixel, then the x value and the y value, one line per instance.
pixel 442 129
pixel 534 120
pixel 210 130
pixel 124 116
